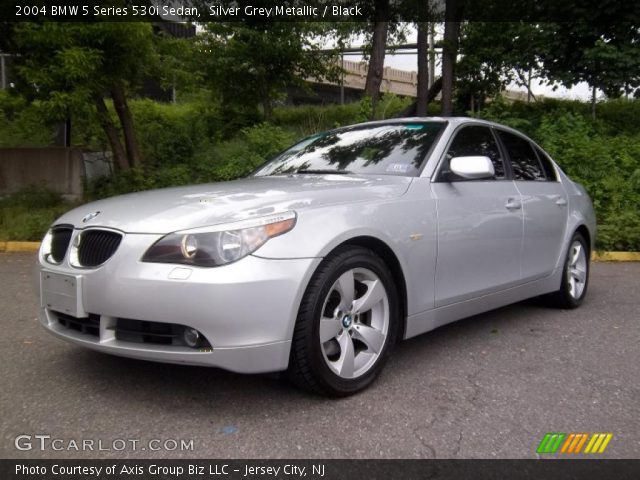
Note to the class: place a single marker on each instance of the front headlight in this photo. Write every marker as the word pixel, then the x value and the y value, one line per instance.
pixel 219 244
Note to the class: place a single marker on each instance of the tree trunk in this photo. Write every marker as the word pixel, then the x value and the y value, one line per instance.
pixel 423 69
pixel 453 14
pixel 376 61
pixel 126 121
pixel 111 132
pixel 449 54
pixel 433 92
pixel 526 82
pixel 267 106
pixel 593 102
pixel 432 54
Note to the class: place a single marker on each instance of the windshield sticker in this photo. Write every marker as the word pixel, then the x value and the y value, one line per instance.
pixel 412 126
pixel 398 167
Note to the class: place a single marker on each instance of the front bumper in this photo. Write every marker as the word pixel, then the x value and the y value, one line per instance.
pixel 246 310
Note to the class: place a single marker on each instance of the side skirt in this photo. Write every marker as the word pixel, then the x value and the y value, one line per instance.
pixel 432 319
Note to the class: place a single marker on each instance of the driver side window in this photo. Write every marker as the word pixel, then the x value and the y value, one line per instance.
pixel 477 140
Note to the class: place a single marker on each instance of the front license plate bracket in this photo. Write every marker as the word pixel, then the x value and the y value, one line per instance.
pixel 62 293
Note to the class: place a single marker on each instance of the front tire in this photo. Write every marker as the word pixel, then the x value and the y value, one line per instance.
pixel 575 277
pixel 347 324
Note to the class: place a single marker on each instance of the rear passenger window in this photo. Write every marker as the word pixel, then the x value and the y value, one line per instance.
pixel 524 161
pixel 477 140
pixel 547 166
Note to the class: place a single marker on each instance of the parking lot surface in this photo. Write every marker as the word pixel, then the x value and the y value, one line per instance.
pixel 489 386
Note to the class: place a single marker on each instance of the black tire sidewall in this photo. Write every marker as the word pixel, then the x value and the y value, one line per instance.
pixel 568 299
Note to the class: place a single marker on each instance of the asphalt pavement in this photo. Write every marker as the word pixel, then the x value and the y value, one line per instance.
pixel 490 386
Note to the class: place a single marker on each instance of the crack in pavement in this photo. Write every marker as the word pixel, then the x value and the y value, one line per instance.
pixel 424 443
pixel 458 445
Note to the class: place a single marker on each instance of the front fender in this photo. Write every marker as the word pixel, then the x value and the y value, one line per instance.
pixel 406 226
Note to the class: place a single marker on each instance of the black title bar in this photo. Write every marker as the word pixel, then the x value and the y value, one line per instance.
pixel 318 10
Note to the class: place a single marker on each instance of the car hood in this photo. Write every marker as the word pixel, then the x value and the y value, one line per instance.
pixel 171 209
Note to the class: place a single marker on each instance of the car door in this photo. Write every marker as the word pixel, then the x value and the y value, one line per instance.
pixel 544 203
pixel 479 223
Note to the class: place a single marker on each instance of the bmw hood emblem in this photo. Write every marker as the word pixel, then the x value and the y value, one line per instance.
pixel 90 216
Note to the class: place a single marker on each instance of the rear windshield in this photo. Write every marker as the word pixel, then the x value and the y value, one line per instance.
pixel 389 149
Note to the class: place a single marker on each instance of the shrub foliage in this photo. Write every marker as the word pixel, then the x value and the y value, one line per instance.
pixel 191 142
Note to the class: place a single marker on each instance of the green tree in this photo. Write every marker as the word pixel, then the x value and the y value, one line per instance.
pixel 496 54
pixel 70 66
pixel 251 63
pixel 601 47
pixel 592 41
pixel 377 51
pixel 382 28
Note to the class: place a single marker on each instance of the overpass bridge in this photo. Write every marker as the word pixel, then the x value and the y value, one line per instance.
pixel 394 80
pixel 399 82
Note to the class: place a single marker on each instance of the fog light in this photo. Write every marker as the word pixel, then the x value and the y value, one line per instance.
pixel 192 337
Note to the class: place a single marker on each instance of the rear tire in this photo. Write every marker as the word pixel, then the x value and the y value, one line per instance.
pixel 347 324
pixel 575 276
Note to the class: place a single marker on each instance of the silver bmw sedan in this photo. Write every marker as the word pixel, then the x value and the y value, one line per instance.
pixel 323 258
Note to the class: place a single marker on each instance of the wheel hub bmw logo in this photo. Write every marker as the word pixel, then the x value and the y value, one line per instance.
pixel 347 320
pixel 90 216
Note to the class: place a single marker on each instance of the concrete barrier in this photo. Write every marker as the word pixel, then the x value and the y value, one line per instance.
pixel 58 168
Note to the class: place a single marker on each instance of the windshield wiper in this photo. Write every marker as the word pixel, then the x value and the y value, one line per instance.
pixel 319 171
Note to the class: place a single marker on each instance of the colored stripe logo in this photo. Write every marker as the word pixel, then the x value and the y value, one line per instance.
pixel 574 443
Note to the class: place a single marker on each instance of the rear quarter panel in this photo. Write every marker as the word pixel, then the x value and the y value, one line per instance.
pixel 580 209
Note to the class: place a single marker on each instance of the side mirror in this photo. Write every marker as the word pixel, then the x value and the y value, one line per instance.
pixel 473 168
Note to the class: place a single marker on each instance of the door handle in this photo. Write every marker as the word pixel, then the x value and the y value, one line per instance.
pixel 561 201
pixel 513 204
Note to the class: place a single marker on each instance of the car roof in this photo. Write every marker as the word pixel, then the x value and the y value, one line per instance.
pixel 451 120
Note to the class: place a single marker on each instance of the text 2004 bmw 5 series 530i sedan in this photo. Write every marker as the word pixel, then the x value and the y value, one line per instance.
pixel 324 257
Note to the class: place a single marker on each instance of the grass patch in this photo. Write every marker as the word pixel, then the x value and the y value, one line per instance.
pixel 27 214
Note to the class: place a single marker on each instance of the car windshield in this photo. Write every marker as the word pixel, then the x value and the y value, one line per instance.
pixel 391 149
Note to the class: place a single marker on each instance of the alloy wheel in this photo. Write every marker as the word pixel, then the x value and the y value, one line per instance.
pixel 577 269
pixel 355 323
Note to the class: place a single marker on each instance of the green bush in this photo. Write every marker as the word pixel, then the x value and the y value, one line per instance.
pixel 607 166
pixel 620 116
pixel 502 112
pixel 391 105
pixel 25 224
pixel 211 163
pixel 241 155
pixel 28 213
pixel 193 142
pixel 171 134
pixel 134 180
pixel 33 196
pixel 21 124
pixel 308 119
